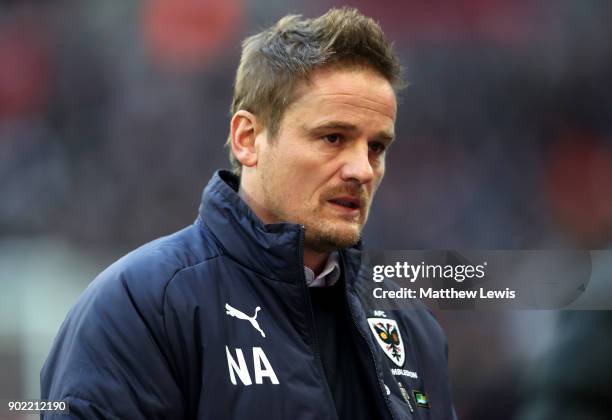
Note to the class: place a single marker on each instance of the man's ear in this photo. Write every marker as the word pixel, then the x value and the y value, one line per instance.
pixel 244 129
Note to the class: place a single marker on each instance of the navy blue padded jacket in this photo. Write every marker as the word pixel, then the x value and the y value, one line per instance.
pixel 172 331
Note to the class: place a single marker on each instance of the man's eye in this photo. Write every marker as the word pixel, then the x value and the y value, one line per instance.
pixel 332 138
pixel 377 147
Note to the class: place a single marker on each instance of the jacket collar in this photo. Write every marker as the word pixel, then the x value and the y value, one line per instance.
pixel 273 250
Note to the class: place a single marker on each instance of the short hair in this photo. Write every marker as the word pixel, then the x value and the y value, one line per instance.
pixel 276 60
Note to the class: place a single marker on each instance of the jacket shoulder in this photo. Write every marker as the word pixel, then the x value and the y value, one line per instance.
pixel 118 323
pixel 146 271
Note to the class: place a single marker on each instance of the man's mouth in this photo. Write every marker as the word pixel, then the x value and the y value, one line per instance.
pixel 350 203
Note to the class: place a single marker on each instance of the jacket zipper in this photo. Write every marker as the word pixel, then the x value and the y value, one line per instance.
pixel 380 381
pixel 315 346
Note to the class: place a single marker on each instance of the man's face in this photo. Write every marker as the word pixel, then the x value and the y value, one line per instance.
pixel 325 163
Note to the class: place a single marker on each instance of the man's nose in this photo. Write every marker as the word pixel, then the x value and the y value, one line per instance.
pixel 357 166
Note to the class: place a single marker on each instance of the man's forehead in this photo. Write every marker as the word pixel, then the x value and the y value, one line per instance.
pixel 358 87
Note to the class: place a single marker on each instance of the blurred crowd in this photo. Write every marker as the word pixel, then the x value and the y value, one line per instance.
pixel 113 115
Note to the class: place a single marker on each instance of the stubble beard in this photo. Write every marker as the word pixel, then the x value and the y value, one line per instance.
pixel 326 236
pixel 321 233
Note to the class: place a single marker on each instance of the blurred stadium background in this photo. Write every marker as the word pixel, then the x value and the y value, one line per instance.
pixel 113 116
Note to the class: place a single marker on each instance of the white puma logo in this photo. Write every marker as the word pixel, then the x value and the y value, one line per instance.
pixel 241 315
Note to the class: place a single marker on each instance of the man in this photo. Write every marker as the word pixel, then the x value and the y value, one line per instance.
pixel 253 312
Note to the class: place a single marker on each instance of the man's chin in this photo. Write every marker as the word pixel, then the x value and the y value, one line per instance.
pixel 331 239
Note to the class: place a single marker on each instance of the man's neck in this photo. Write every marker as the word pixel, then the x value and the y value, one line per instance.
pixel 315 260
pixel 254 205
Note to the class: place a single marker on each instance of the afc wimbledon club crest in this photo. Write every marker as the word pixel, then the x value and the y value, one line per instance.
pixel 389 338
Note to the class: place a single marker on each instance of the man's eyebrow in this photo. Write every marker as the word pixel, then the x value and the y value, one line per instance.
pixel 384 136
pixel 333 125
